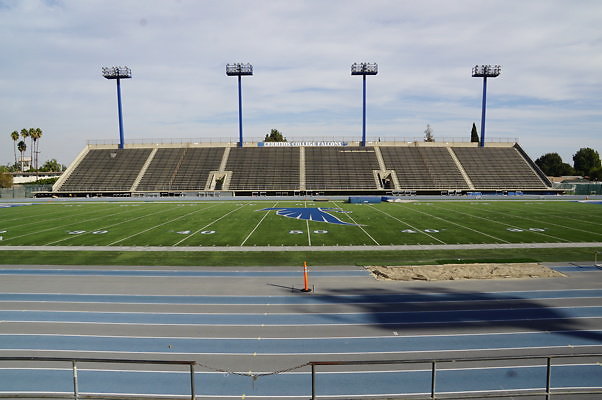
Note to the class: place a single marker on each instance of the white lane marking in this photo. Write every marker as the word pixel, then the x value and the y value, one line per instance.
pixel 326 314
pixel 371 371
pixel 305 353
pixel 564 332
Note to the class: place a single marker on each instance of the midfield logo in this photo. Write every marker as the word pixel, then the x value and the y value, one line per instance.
pixel 311 214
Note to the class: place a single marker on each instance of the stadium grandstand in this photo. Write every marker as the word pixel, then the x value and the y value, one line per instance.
pixel 300 168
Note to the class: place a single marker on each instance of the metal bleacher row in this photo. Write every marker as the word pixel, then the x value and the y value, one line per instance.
pixel 492 167
pixel 258 168
pixel 344 168
pixel 340 167
pixel 107 170
pixel 180 169
pixel 424 168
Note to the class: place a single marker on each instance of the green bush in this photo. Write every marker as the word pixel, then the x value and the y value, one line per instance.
pixel 6 180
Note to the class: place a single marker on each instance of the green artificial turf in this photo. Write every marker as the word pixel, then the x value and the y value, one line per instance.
pixel 294 258
pixel 245 223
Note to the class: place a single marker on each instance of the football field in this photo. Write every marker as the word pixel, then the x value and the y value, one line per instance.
pixel 298 223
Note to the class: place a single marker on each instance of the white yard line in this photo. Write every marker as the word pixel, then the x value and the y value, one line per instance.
pixel 206 226
pixel 501 223
pixel 411 226
pixel 308 235
pixel 35 217
pixel 156 226
pixel 110 226
pixel 307 225
pixel 358 225
pixel 62 226
pixel 69 217
pixel 257 226
pixel 550 223
pixel 462 226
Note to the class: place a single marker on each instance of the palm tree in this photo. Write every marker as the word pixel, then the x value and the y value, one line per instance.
pixel 35 134
pixel 24 135
pixel 32 142
pixel 21 146
pixel 15 136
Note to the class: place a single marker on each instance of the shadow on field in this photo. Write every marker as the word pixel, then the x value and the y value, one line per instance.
pixel 446 311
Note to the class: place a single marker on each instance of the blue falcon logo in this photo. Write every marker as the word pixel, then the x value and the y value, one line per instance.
pixel 311 214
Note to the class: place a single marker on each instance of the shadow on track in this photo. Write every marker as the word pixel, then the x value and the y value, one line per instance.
pixel 447 311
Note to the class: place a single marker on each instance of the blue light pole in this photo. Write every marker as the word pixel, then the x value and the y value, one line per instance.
pixel 364 69
pixel 239 70
pixel 485 71
pixel 118 73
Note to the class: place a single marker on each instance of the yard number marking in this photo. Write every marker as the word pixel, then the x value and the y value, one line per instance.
pixel 525 230
pixel 424 230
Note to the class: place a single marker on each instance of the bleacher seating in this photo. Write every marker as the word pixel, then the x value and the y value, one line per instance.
pixel 498 168
pixel 161 170
pixel 181 168
pixel 263 168
pixel 417 168
pixel 339 168
pixel 421 168
pixel 107 170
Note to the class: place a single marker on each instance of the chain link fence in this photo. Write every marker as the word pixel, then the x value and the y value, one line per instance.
pixel 23 191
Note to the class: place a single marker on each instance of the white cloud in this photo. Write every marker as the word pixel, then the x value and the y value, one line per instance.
pixel 547 95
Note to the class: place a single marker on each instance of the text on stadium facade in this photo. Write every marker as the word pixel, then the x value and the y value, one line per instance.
pixel 301 144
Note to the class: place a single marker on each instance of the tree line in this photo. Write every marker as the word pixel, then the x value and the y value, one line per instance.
pixel 586 163
pixel 34 135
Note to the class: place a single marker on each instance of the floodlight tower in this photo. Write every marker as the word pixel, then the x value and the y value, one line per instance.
pixel 240 70
pixel 364 69
pixel 485 71
pixel 118 73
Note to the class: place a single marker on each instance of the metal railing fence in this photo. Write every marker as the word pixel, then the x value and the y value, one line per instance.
pixel 75 361
pixel 546 388
pixel 545 391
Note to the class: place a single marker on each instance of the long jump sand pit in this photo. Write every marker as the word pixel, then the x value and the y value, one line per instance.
pixel 450 272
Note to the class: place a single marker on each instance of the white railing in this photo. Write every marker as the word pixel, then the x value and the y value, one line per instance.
pixel 352 141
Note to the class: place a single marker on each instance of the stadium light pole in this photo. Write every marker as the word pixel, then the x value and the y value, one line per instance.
pixel 239 70
pixel 485 71
pixel 364 69
pixel 118 73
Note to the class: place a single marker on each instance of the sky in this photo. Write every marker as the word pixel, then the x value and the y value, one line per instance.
pixel 548 96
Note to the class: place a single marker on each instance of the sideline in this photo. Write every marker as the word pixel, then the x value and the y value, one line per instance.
pixel 481 246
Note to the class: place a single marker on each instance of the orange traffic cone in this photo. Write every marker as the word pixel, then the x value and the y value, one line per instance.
pixel 305 279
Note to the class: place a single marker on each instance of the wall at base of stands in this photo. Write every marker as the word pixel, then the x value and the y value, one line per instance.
pixel 364 199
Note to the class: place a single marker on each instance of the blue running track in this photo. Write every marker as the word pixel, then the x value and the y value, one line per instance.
pixel 329 345
pixel 262 319
pixel 302 299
